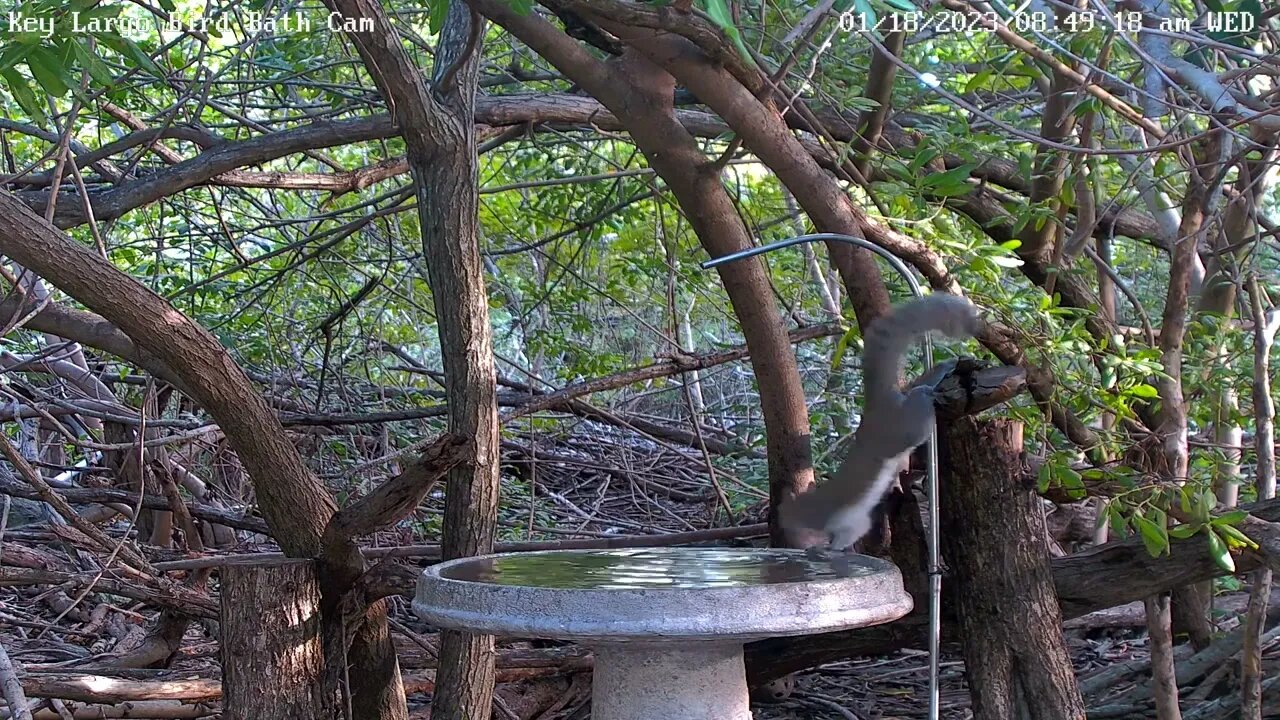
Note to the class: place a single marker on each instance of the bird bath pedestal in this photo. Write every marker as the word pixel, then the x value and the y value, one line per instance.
pixel 667 625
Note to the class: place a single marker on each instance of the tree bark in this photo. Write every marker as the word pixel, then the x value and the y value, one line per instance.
pixel 1265 324
pixel 273 662
pixel 439 132
pixel 448 200
pixel 995 543
pixel 1191 604
pixel 1164 679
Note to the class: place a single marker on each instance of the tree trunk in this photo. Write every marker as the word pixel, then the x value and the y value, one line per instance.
pixel 439 132
pixel 448 200
pixel 1189 613
pixel 273 662
pixel 995 542
pixel 1217 298
pixel 1164 680
pixel 1265 324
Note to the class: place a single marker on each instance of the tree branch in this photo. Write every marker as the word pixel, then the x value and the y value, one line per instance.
pixel 397 497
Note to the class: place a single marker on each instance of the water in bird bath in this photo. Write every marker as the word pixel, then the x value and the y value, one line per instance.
pixel 648 568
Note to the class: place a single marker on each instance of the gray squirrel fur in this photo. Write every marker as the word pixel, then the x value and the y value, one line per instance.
pixel 893 423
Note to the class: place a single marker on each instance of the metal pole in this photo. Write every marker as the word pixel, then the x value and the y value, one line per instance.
pixel 931 485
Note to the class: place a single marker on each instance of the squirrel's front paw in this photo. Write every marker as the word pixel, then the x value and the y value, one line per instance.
pixel 842 565
pixel 817 553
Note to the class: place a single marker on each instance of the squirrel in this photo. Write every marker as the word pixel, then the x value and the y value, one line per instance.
pixel 893 423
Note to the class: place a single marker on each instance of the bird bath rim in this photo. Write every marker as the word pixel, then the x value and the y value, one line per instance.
pixel 725 613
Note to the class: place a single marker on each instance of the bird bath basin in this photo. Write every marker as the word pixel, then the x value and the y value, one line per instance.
pixel 667 625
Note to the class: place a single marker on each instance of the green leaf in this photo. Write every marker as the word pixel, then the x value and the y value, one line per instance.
pixel 718 11
pixel 922 157
pixel 1119 523
pixel 950 177
pixel 1208 501
pixel 523 7
pixel 1245 8
pixel 1235 538
pixel 841 347
pixel 131 50
pixel 1072 482
pixel 1144 390
pixel 439 12
pixel 1220 553
pixel 23 95
pixel 1158 516
pixel 1230 518
pixel 1006 261
pixel 98 70
pixel 863 8
pixel 1154 536
pixel 48 70
pixel 12 55
pixel 100 12
pixel 861 104
pixel 1182 532
pixel 978 80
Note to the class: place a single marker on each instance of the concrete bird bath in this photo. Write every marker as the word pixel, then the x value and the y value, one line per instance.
pixel 667 625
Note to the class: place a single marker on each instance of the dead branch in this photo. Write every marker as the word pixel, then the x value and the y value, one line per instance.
pixel 398 496
pixel 12 687
pixel 46 493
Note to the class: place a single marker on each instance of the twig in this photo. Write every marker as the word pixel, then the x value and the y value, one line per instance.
pixel 1222 707
pixel 118 548
pixel 13 694
pixel 827 703
pixel 1192 669
pixel 1128 292
pixel 4 522
pixel 1109 677
pixel 64 509
pixel 415 638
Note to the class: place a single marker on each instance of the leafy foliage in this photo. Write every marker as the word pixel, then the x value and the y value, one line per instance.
pixel 591 266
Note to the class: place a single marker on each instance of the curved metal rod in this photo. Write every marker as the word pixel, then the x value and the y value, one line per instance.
pixel 931 486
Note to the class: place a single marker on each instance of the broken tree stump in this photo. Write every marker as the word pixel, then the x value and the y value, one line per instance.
pixel 273 662
pixel 995 545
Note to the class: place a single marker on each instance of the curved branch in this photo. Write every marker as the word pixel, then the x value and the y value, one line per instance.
pixel 294 502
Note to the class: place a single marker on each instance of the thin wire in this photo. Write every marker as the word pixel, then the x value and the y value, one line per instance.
pixel 931 485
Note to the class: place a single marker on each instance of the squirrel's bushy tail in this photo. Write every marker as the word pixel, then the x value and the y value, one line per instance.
pixel 888 338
